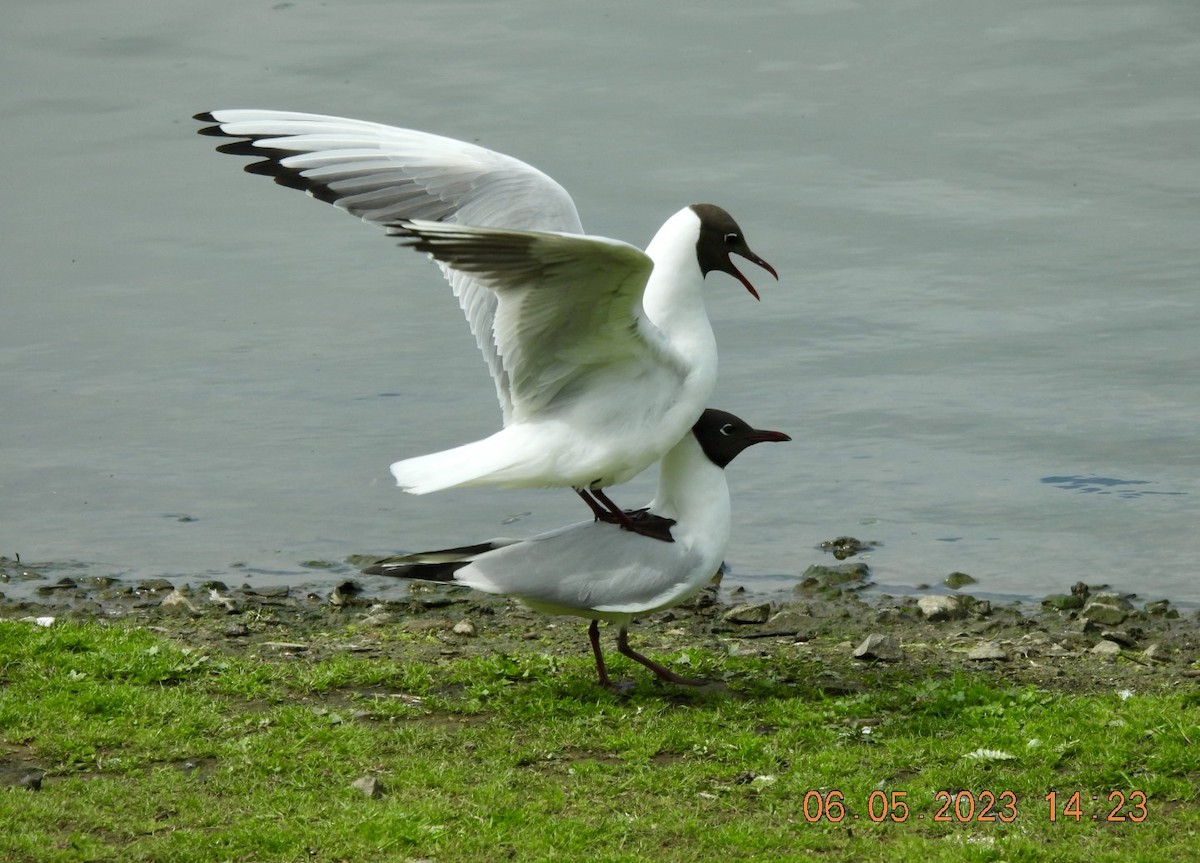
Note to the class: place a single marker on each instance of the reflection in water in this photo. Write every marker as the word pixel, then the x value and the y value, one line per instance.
pixel 1104 485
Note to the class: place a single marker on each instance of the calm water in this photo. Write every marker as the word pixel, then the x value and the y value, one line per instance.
pixel 985 341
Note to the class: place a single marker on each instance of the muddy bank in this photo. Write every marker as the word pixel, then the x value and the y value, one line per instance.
pixel 1082 639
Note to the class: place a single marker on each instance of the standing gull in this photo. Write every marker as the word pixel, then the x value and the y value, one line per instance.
pixel 602 355
pixel 594 570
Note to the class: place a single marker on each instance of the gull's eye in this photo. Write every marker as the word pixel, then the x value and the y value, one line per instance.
pixel 727 429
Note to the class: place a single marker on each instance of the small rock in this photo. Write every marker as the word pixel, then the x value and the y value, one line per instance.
pixel 464 627
pixel 378 618
pixel 286 646
pixel 155 585
pixel 938 607
pixel 987 651
pixel 846 546
pixel 702 602
pixel 1156 653
pixel 61 584
pixel 881 647
pixel 100 580
pixel 978 607
pixel 1107 609
pixel 31 781
pixel 368 785
pixel 1125 639
pixel 344 593
pixel 756 613
pixel 955 580
pixel 1160 608
pixel 788 622
pixel 1106 648
pixel 237 630
pixel 443 601
pixel 890 615
pixel 39 621
pixel 177 601
pixel 844 575
pixel 1063 601
pixel 275 591
pixel 226 603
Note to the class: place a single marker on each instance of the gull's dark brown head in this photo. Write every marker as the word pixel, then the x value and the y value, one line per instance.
pixel 722 435
pixel 720 237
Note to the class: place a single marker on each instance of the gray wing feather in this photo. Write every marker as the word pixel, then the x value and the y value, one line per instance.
pixel 587 565
pixel 383 174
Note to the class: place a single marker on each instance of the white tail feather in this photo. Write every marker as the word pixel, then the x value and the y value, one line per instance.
pixel 469 464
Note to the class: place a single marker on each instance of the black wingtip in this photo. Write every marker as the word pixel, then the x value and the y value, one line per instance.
pixel 440 572
pixel 265 169
pixel 215 130
pixel 269 164
pixel 240 148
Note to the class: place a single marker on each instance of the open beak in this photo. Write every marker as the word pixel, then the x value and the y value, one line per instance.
pixel 754 259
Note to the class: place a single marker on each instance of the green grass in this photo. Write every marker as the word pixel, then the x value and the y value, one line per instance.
pixel 155 753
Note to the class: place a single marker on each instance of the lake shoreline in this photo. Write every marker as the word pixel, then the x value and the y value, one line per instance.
pixel 1082 639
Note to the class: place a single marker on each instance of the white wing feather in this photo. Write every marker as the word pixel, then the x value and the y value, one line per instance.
pixel 569 307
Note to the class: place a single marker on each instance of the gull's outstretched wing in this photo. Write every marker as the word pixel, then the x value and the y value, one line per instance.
pixel 384 174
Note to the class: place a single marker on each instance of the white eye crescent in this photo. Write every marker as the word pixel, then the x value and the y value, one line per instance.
pixel 727 429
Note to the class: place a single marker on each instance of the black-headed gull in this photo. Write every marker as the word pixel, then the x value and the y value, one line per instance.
pixel 592 569
pixel 602 355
